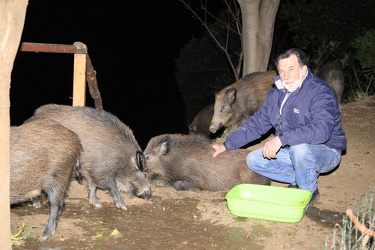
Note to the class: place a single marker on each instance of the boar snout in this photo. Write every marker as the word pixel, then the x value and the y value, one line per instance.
pixel 213 129
pixel 145 194
pixel 141 187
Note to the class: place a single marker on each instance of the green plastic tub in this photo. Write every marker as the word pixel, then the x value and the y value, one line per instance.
pixel 268 202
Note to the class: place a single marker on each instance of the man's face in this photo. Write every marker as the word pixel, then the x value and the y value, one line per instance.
pixel 291 73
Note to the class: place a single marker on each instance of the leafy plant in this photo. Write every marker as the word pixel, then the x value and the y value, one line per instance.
pixel 364 67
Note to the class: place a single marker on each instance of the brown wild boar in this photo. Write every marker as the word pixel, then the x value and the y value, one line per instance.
pixel 44 156
pixel 186 162
pixel 111 157
pixel 332 74
pixel 202 121
pixel 238 101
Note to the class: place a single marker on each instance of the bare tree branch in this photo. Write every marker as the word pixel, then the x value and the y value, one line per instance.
pixel 233 14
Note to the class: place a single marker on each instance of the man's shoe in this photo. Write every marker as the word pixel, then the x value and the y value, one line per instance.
pixel 315 197
pixel 292 186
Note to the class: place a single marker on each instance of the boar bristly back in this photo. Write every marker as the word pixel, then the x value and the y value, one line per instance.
pixel 111 159
pixel 332 74
pixel 202 121
pixel 186 162
pixel 43 158
pixel 238 101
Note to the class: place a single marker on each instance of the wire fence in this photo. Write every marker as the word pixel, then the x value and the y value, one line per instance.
pixel 357 228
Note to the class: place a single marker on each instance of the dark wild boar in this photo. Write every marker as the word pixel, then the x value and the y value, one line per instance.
pixel 186 162
pixel 43 158
pixel 111 157
pixel 238 101
pixel 332 74
pixel 202 121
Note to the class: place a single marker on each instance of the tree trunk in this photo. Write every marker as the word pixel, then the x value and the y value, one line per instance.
pixel 258 21
pixel 12 18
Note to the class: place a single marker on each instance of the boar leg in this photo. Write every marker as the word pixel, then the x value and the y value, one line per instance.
pixel 92 197
pixel 56 200
pixel 117 196
pixel 114 192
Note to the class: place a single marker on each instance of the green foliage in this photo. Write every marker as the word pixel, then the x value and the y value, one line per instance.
pixel 340 22
pixel 324 53
pixel 312 22
pixel 364 71
pixel 365 50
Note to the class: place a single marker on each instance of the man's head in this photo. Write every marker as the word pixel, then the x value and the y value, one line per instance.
pixel 292 68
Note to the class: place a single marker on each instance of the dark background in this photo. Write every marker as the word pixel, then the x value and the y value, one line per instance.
pixel 132 49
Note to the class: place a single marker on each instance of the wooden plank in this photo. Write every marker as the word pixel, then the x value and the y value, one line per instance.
pixel 80 55
pixel 48 48
pixel 79 80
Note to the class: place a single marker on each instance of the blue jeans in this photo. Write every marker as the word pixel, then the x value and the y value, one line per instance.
pixel 298 165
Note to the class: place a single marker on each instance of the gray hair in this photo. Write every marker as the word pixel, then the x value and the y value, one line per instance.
pixel 301 57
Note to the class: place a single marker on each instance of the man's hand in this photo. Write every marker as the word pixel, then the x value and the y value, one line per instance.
pixel 271 148
pixel 219 148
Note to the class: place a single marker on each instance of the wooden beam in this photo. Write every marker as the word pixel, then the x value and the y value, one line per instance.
pixel 80 56
pixel 79 80
pixel 52 48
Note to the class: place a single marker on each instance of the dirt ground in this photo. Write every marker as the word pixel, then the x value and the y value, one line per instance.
pixel 200 219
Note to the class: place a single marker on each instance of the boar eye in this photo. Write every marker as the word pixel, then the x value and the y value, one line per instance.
pixel 222 108
pixel 147 157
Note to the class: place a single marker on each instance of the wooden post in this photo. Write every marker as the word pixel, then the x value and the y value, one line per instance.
pixel 79 80
pixel 12 18
pixel 80 56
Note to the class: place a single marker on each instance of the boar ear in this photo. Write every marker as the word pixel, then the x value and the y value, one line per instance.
pixel 231 95
pixel 140 161
pixel 165 145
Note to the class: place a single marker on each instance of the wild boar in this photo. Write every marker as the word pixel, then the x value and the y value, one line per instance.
pixel 202 121
pixel 238 101
pixel 332 74
pixel 43 158
pixel 186 162
pixel 111 157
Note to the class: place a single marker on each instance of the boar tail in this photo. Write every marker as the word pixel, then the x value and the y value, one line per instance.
pixel 78 171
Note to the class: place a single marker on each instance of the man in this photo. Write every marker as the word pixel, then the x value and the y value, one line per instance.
pixel 309 138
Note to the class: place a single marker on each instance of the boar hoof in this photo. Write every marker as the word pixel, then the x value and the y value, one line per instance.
pixel 123 207
pixel 180 185
pixel 96 203
pixel 36 202
pixel 43 238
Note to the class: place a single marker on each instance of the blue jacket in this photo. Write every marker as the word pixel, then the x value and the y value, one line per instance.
pixel 310 115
